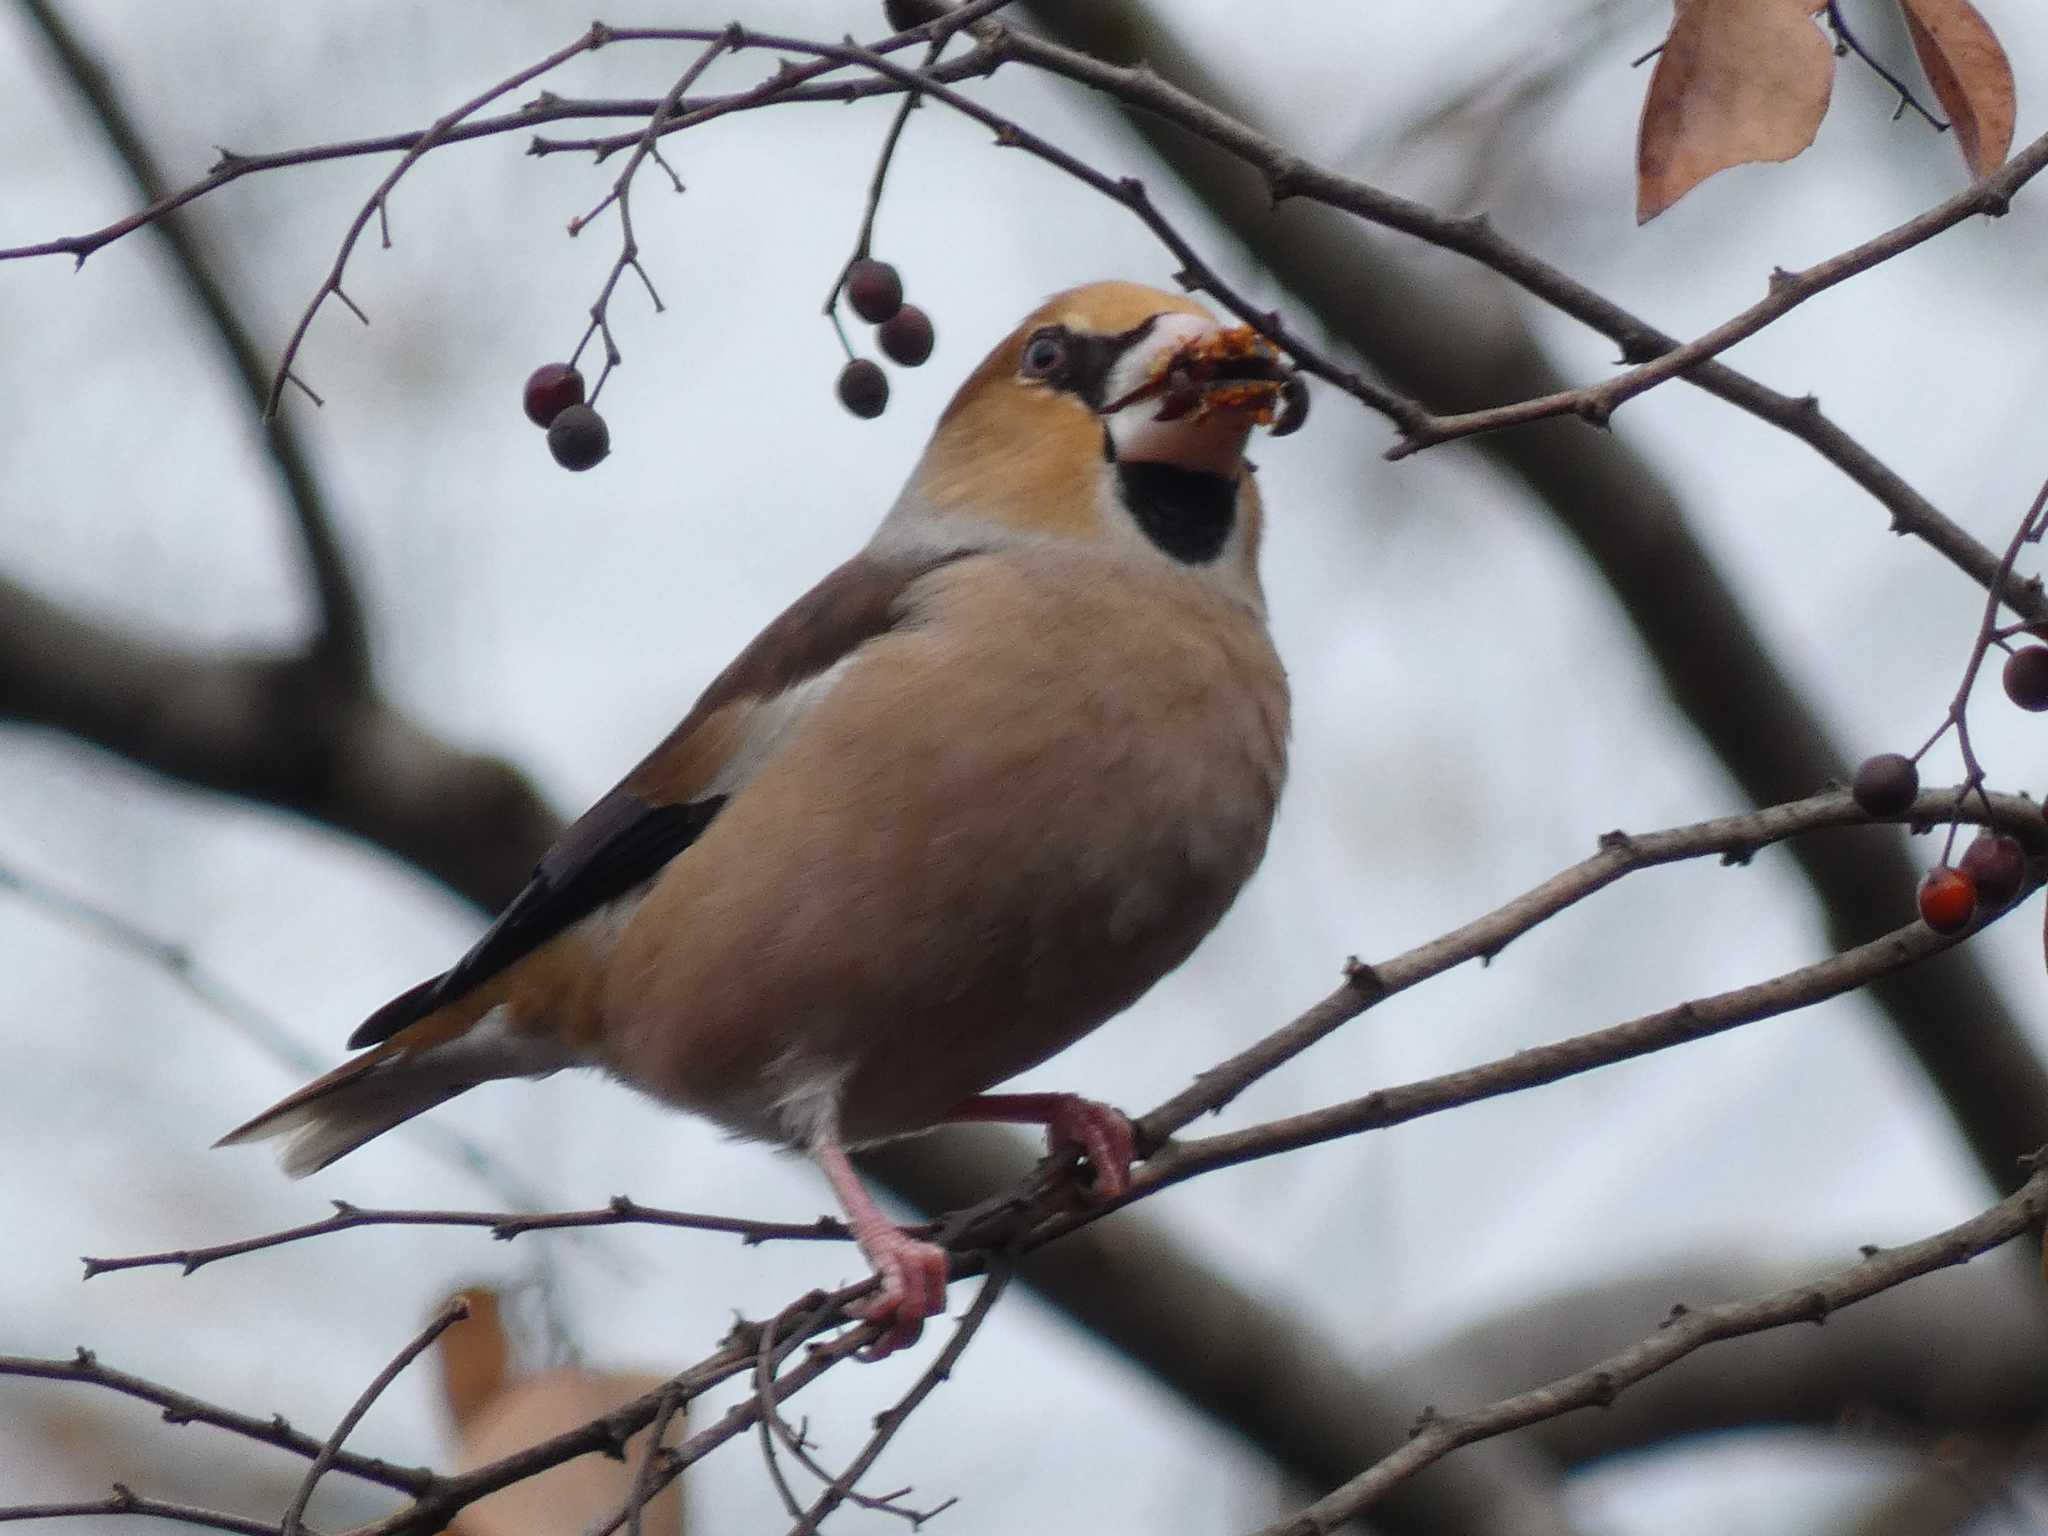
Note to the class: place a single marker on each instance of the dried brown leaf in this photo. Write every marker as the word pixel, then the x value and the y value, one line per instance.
pixel 1738 81
pixel 1970 74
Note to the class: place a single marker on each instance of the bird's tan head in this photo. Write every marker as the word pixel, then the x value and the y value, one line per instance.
pixel 1115 413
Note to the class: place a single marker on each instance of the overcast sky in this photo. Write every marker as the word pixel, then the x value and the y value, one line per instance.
pixel 1471 710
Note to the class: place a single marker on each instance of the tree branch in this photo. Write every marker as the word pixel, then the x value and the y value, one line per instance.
pixel 295 1512
pixel 1599 1384
pixel 1787 291
pixel 183 1408
pixel 340 643
pixel 1393 321
pixel 1626 519
pixel 277 731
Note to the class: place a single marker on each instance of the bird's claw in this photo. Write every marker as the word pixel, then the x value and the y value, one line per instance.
pixel 1102 1134
pixel 912 1273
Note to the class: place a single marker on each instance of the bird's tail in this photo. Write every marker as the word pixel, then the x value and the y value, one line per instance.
pixel 358 1101
pixel 427 1063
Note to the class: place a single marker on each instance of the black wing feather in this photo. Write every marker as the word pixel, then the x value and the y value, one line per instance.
pixel 620 842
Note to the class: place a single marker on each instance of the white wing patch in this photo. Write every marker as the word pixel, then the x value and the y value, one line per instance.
pixel 770 724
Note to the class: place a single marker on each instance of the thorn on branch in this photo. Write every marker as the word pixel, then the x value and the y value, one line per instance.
pixel 1426 1419
pixel 1617 841
pixel 1738 855
pixel 1678 1310
pixel 1869 1250
pixel 1360 976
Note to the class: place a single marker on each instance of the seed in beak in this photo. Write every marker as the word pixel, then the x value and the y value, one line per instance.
pixel 1180 396
pixel 1293 406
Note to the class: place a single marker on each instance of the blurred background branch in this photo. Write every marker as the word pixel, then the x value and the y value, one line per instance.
pixel 309 731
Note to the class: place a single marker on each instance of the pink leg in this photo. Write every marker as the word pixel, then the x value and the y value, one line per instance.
pixel 1071 1123
pixel 912 1271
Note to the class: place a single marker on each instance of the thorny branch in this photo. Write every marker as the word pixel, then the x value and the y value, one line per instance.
pixel 183 1408
pixel 1685 1330
pixel 1029 1218
pixel 621 193
pixel 1787 291
pixel 503 1225
pixel 1287 175
pixel 1019 1220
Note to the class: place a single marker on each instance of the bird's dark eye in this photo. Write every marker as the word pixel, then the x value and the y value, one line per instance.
pixel 1045 354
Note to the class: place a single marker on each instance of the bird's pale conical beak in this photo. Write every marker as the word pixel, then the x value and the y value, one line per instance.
pixel 1190 392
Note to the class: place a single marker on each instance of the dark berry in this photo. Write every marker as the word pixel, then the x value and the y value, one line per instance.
pixel 578 438
pixel 550 390
pixel 864 388
pixel 906 336
pixel 2026 677
pixel 1948 899
pixel 1886 784
pixel 1997 864
pixel 873 289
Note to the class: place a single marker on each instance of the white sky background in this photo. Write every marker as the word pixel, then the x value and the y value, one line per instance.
pixel 1471 711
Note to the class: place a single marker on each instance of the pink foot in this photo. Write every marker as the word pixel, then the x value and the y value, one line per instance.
pixel 912 1271
pixel 1102 1134
pixel 913 1276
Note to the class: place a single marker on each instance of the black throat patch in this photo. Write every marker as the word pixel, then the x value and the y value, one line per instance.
pixel 1186 512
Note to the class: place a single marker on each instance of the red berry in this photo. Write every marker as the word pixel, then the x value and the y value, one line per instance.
pixel 1886 784
pixel 1997 865
pixel 863 388
pixel 2026 677
pixel 578 438
pixel 873 289
pixel 1948 899
pixel 906 336
pixel 550 390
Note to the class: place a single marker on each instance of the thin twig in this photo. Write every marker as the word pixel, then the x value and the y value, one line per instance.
pixel 1600 1384
pixel 892 1419
pixel 1786 291
pixel 643 1477
pixel 224 1001
pixel 125 1501
pixel 863 242
pixel 596 37
pixel 503 1225
pixel 232 166
pixel 1847 40
pixel 1958 718
pixel 340 644
pixel 621 193
pixel 767 1421
pixel 1288 175
pixel 183 1408
pixel 1735 839
pixel 294 1515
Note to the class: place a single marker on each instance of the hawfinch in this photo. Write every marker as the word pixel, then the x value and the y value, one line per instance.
pixel 973 794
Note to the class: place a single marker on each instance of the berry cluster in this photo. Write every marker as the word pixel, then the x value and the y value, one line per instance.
pixel 577 435
pixel 1994 867
pixel 874 290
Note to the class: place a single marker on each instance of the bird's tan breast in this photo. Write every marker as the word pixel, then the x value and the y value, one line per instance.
pixel 1003 821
